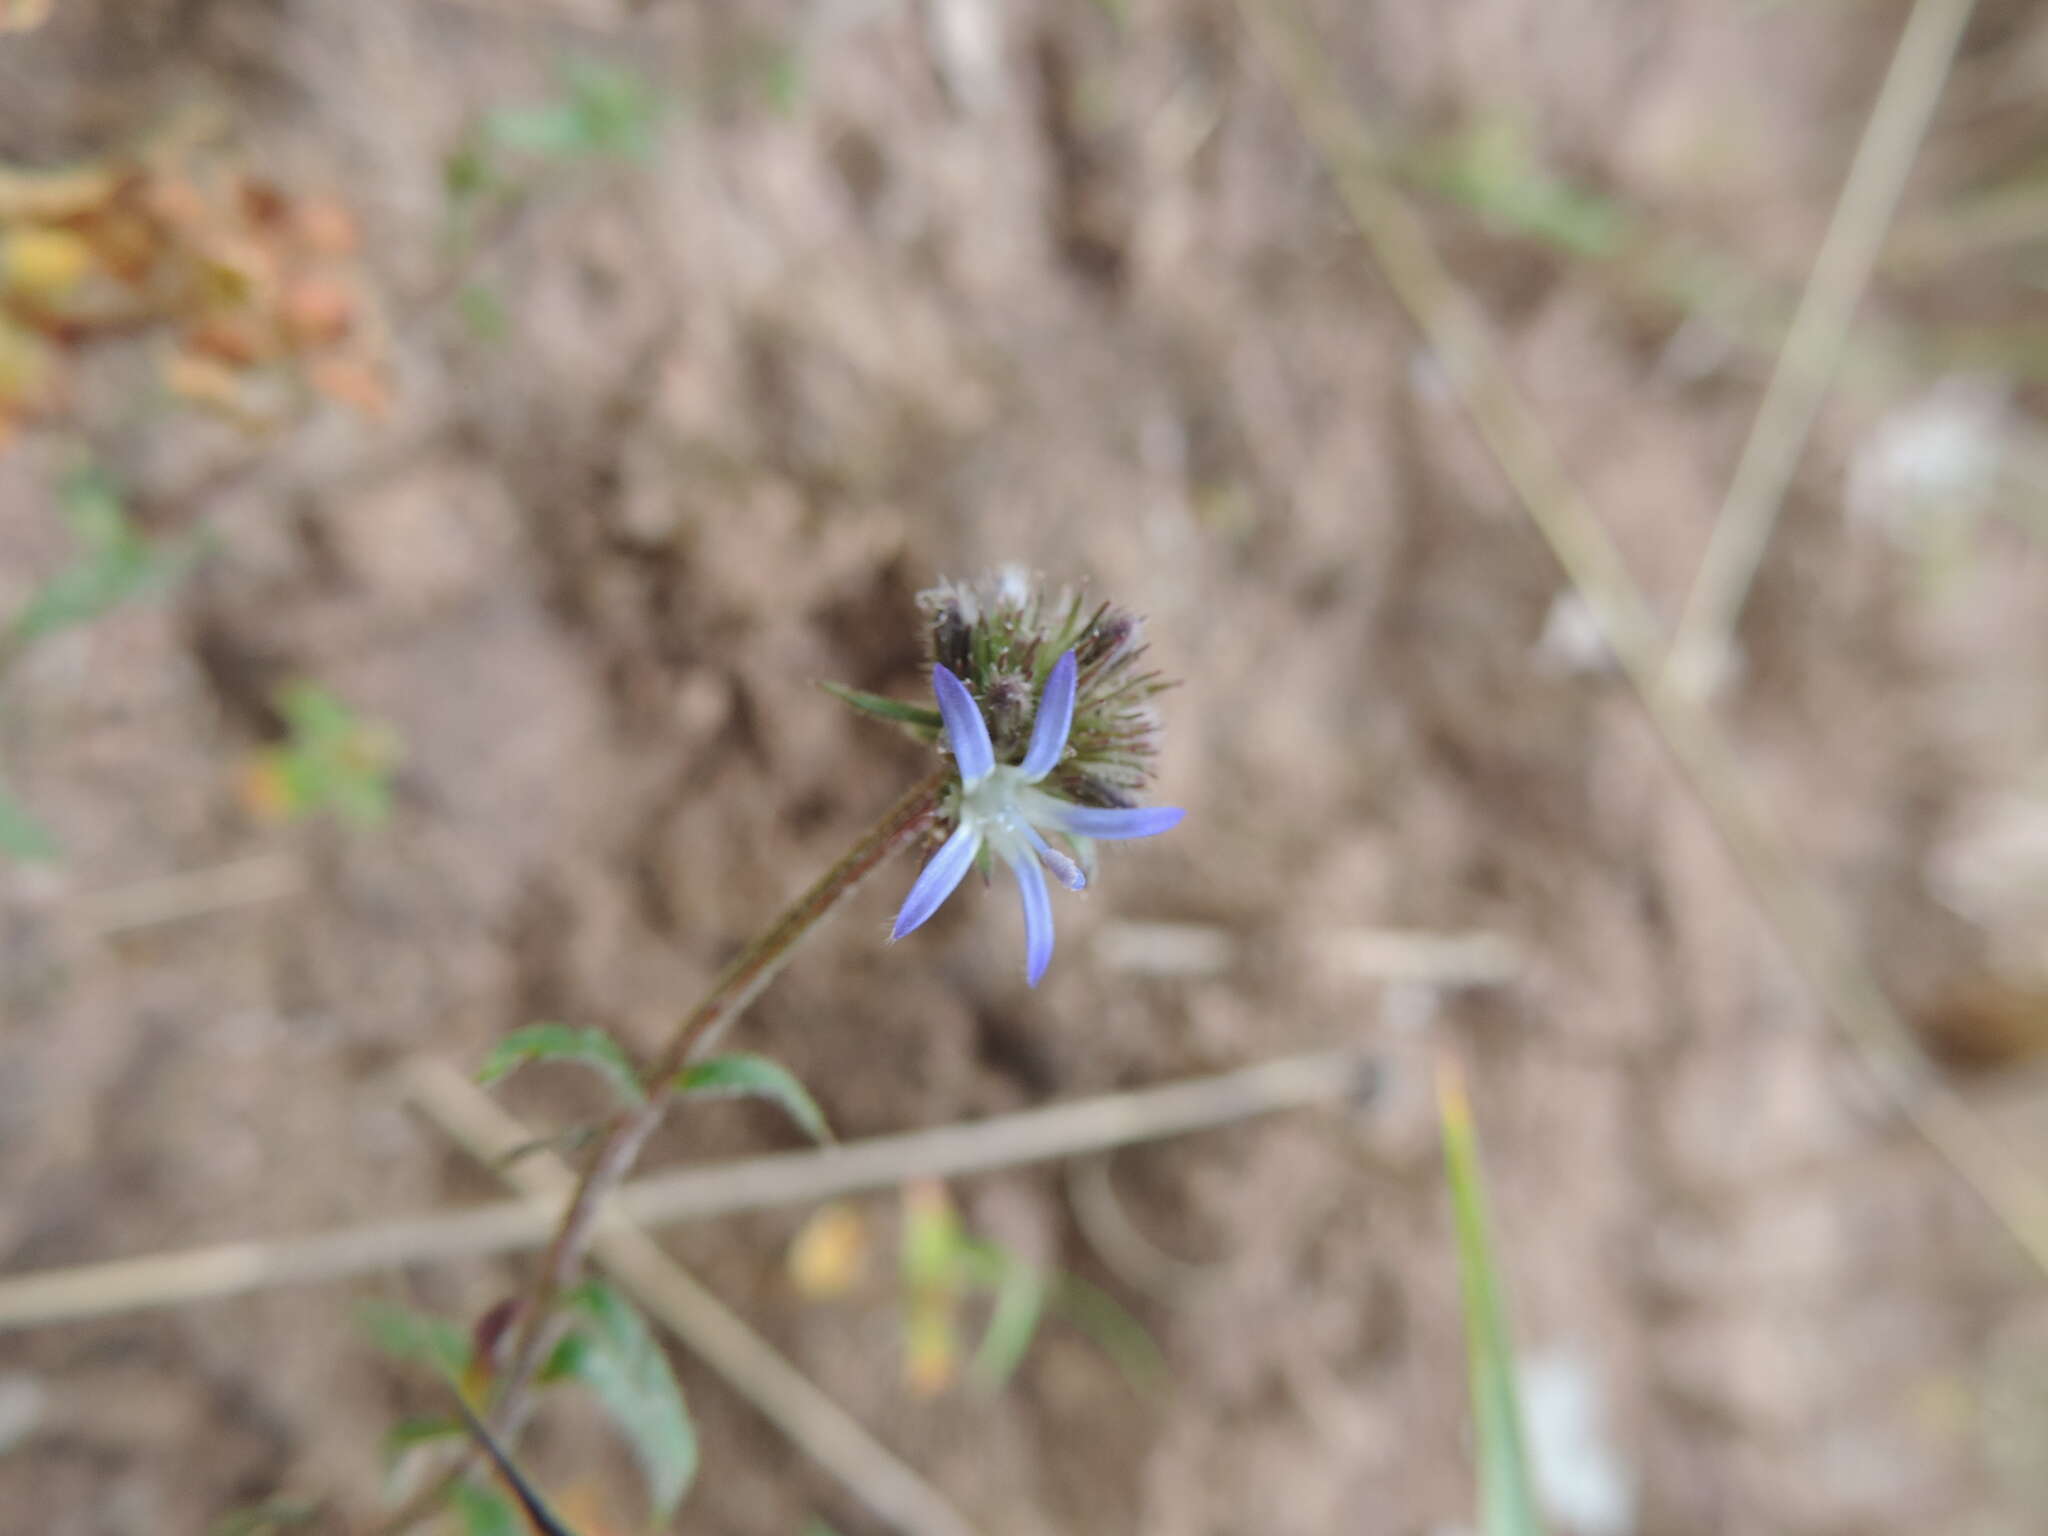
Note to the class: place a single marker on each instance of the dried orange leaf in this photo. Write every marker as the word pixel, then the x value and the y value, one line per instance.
pixel 238 341
pixel 317 312
pixel 265 791
pixel 354 383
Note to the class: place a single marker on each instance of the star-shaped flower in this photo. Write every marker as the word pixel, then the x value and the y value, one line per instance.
pixel 998 807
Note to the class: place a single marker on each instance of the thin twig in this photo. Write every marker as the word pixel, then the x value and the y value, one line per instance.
pixel 1790 900
pixel 690 1194
pixel 1364 954
pixel 825 1432
pixel 1128 1253
pixel 189 893
pixel 1820 327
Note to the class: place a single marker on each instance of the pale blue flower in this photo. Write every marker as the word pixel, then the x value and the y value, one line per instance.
pixel 999 808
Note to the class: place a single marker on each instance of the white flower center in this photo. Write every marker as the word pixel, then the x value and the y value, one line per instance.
pixel 996 806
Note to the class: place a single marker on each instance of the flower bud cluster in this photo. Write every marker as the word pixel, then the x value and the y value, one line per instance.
pixel 1001 635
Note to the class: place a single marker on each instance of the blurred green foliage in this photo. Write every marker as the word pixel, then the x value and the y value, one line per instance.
pixel 1492 168
pixel 330 760
pixel 942 1266
pixel 416 1338
pixel 484 1511
pixel 601 112
pixel 1507 1491
pixel 21 835
pixel 611 1350
pixel 114 564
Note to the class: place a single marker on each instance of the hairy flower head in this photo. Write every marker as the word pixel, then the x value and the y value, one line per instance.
pixel 1001 637
pixel 1048 722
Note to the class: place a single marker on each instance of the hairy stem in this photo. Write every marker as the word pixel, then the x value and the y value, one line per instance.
pixel 612 1159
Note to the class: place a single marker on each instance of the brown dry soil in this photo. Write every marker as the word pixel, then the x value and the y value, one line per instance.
pixel 906 290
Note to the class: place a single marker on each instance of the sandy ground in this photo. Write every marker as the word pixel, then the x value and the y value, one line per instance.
pixel 1058 284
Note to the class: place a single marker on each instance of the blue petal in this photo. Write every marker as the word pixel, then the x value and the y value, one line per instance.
pixel 1037 917
pixel 938 880
pixel 1055 720
pixel 966 731
pixel 1112 826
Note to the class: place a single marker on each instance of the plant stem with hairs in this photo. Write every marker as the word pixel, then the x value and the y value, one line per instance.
pixel 612 1159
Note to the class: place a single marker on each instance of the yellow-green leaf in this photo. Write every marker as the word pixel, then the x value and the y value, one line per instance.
pixel 1507 1491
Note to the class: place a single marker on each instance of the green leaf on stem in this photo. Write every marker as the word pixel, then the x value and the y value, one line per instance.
pixel 921 717
pixel 417 1338
pixel 611 1350
pixel 591 1048
pixel 743 1074
pixel 1507 1491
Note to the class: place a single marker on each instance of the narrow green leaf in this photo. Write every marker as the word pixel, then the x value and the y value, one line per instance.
pixel 1021 1293
pixel 623 1364
pixel 1107 1323
pixel 1507 1492
pixel 21 835
pixel 591 1048
pixel 484 1511
pixel 743 1074
pixel 417 1338
pixel 883 708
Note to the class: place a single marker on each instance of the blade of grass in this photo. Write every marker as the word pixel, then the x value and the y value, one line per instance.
pixel 1507 1491
pixel 1820 329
